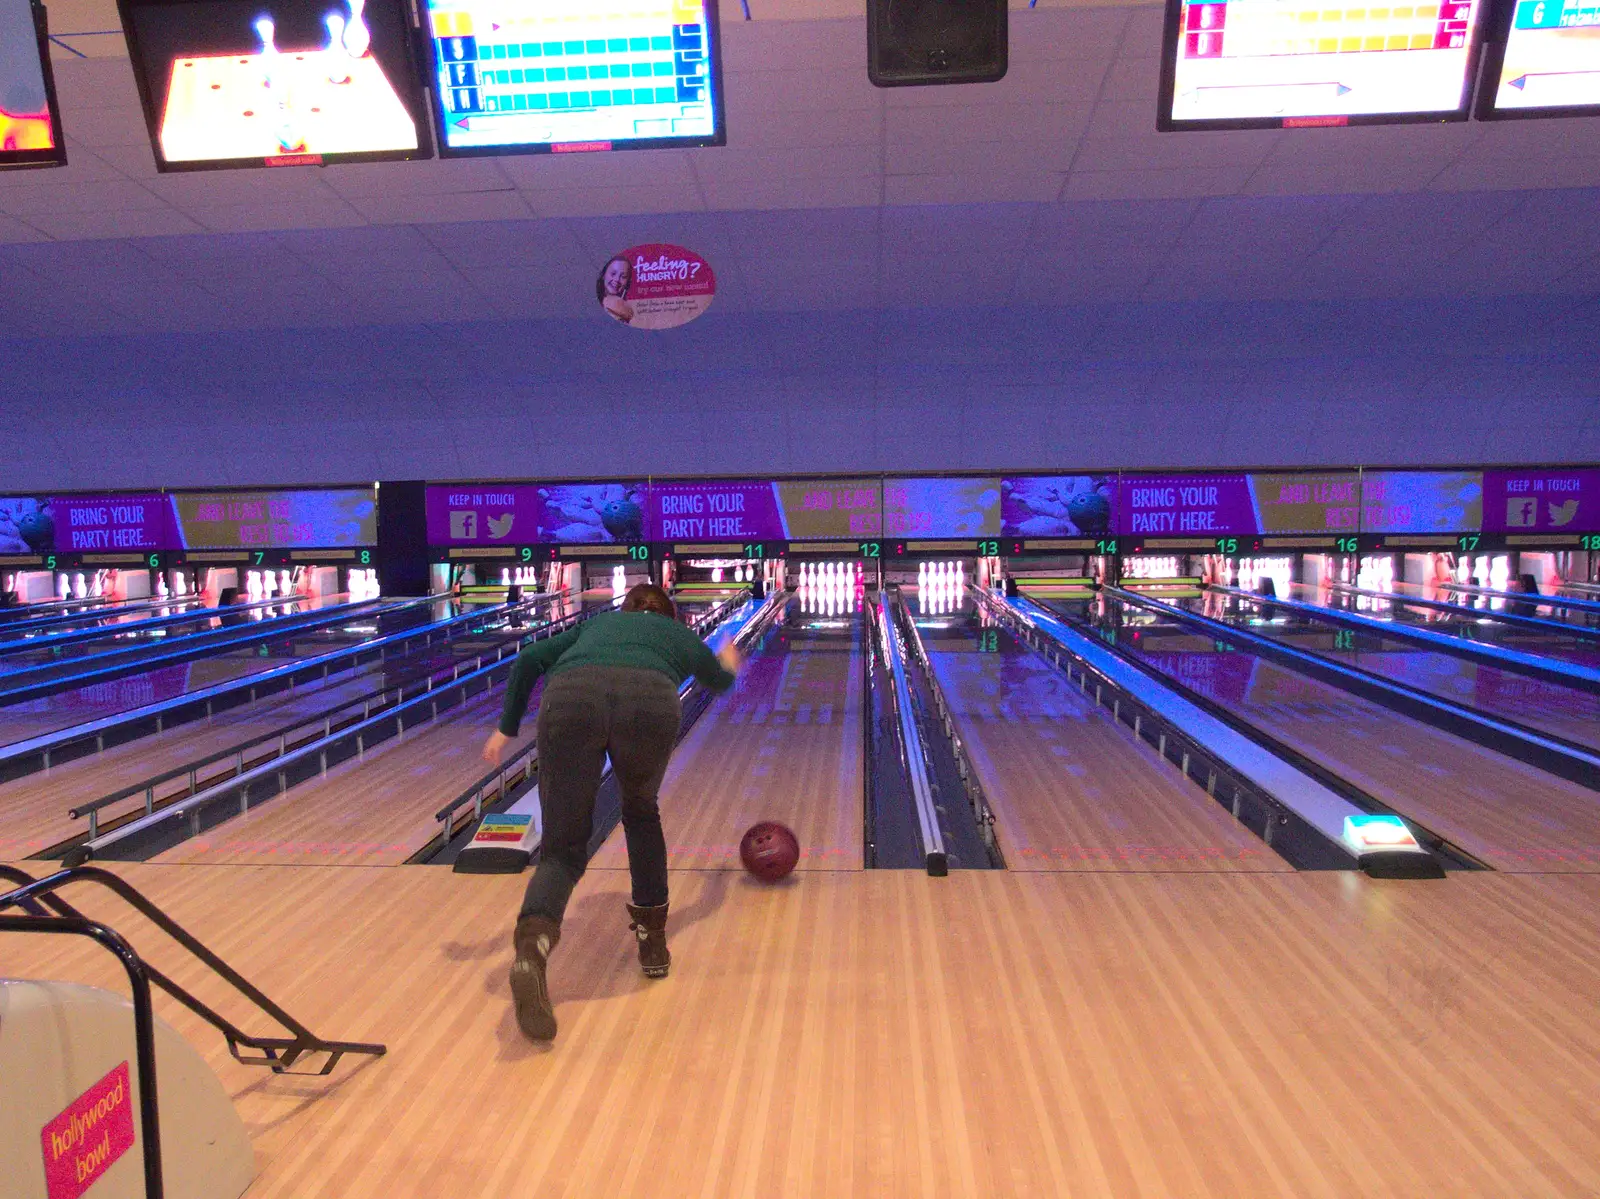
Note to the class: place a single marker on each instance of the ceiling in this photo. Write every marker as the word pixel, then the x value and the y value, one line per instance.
pixel 1049 188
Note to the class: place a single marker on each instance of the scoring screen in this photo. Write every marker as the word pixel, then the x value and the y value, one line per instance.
pixel 1548 63
pixel 29 133
pixel 525 76
pixel 268 82
pixel 1243 63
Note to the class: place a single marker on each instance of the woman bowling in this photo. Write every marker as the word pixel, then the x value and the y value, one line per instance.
pixel 613 690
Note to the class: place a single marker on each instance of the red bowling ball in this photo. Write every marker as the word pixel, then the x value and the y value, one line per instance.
pixel 769 851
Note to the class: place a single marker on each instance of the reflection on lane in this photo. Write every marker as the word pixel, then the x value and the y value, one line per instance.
pixel 1469 624
pixel 1071 789
pixel 1534 703
pixel 1511 815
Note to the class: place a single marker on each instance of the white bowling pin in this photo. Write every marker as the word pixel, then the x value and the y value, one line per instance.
pixel 356 36
pixel 337 58
pixel 266 30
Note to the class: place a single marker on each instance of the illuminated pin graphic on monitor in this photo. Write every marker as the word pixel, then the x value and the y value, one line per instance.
pixel 276 82
pixel 525 76
pixel 30 124
pixel 1235 64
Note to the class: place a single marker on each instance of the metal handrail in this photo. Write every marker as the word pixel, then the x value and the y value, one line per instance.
pixel 278 1054
pixel 915 754
pixel 144 1023
pixel 380 698
pixel 481 794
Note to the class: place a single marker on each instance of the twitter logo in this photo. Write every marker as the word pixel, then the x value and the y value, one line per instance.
pixel 1562 514
pixel 500 526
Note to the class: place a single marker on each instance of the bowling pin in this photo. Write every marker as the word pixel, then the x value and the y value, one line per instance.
pixel 266 30
pixel 337 58
pixel 356 36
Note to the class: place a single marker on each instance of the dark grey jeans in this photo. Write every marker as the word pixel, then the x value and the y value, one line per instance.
pixel 585 714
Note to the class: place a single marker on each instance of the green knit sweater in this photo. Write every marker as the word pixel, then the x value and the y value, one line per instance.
pixel 642 640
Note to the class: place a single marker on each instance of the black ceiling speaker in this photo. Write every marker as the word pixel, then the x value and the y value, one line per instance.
pixel 917 42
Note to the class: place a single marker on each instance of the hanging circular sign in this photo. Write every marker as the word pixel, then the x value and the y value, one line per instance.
pixel 655 286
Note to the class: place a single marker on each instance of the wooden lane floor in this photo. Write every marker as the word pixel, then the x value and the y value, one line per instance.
pixel 784 744
pixel 33 809
pixel 1072 789
pixel 872 1033
pixel 376 810
pixel 1512 815
pixel 95 700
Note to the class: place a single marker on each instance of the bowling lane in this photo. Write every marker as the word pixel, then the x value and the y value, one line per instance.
pixel 54 609
pixel 1566 643
pixel 785 744
pixel 1534 703
pixel 1582 615
pixel 33 809
pixel 117 639
pixel 44 625
pixel 376 810
pixel 92 701
pixel 1512 815
pixel 1071 788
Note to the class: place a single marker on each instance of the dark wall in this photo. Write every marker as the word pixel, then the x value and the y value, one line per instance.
pixel 402 538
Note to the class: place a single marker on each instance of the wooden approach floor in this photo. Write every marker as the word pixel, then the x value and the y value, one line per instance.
pixel 877 1033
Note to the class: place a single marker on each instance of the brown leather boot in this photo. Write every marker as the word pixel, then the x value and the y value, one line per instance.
pixel 650 926
pixel 534 938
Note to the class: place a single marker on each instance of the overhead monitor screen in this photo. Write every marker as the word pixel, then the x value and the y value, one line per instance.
pixel 1420 501
pixel 1554 500
pixel 516 514
pixel 528 76
pixel 1236 505
pixel 238 83
pixel 259 520
pixel 1547 63
pixel 30 126
pixel 941 507
pixel 1232 64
